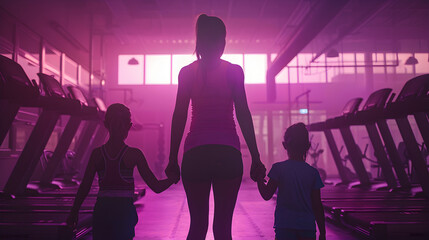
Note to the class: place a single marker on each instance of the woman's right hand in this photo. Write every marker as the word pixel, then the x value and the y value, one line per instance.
pixel 173 171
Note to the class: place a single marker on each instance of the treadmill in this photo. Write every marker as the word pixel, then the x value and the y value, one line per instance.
pixel 350 107
pixel 413 100
pixel 52 106
pixel 93 135
pixel 396 215
pixel 367 116
pixel 341 123
pixel 87 113
pixel 43 216
pixel 15 91
pixel 18 91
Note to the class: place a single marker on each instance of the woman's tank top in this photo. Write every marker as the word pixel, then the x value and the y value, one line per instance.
pixel 212 120
pixel 113 180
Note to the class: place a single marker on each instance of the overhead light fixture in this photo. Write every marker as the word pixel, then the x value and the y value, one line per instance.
pixel 411 61
pixel 133 61
pixel 332 53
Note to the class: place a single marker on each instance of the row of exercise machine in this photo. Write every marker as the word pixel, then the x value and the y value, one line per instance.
pixel 399 210
pixel 38 210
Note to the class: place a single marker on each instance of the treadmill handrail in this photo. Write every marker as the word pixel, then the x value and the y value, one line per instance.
pixel 51 86
pixel 352 106
pixel 77 93
pixel 14 79
pixel 414 88
pixel 377 99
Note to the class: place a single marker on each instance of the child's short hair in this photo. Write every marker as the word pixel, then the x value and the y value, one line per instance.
pixel 117 111
pixel 296 139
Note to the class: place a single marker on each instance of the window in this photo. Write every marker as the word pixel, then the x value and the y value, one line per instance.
pixel 391 59
pixel 310 75
pixel 52 61
pixel 402 68
pixel 360 60
pixel 130 72
pixel 158 69
pixel 29 43
pixel 30 66
pixel 70 70
pixel 423 65
pixel 281 77
pixel 234 58
pixel 293 71
pixel 255 68
pixel 163 69
pixel 348 59
pixel 180 61
pixel 84 78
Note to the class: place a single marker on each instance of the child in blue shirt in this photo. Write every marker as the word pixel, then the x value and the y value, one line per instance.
pixel 298 198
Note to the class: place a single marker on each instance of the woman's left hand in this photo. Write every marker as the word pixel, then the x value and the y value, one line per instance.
pixel 257 170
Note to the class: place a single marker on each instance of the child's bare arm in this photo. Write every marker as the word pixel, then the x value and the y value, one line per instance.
pixel 156 185
pixel 83 190
pixel 267 190
pixel 318 212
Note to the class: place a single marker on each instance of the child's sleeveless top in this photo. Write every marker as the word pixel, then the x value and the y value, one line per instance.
pixel 212 120
pixel 113 180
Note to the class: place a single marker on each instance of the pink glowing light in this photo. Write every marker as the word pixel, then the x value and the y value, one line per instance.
pixel 234 59
pixel 180 61
pixel 158 69
pixel 255 68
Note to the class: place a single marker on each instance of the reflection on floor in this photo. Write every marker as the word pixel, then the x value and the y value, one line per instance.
pixel 165 216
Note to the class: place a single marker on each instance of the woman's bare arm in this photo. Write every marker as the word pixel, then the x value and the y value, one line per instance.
pixel 244 119
pixel 178 124
pixel 180 113
pixel 242 112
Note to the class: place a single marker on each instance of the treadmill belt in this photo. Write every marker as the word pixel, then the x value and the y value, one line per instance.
pixel 376 203
pixel 41 225
pixel 393 217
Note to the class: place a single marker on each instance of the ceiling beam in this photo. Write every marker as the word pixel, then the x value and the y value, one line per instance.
pixel 372 9
pixel 121 17
pixel 321 14
pixel 297 14
pixel 259 20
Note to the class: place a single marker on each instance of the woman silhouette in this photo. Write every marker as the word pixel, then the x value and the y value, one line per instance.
pixel 212 148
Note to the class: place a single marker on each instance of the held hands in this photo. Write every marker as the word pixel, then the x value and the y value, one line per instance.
pixel 257 170
pixel 173 171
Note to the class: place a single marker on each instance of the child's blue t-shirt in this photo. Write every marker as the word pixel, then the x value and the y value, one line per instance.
pixel 296 180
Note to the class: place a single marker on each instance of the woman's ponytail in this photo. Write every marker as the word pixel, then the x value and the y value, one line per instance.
pixel 208 29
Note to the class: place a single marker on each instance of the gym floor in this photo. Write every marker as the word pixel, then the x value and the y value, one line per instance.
pixel 166 216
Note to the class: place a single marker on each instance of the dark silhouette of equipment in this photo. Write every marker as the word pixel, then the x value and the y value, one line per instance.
pixel 315 154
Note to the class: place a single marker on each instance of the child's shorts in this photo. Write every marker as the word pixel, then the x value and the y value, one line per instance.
pixel 114 218
pixel 292 234
pixel 211 162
